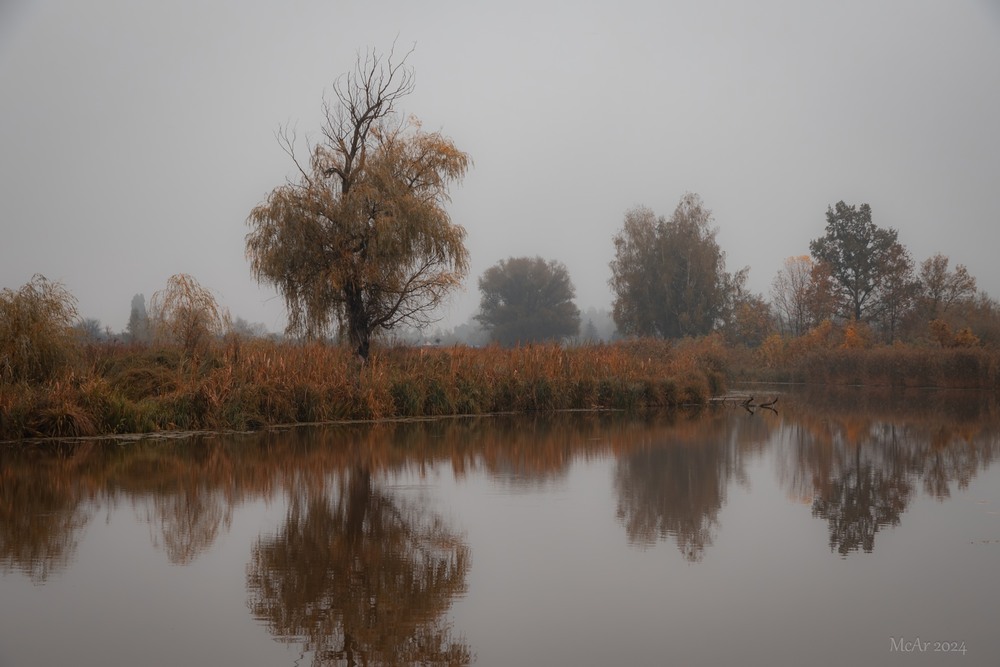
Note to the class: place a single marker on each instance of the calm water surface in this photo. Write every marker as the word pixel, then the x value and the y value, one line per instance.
pixel 847 529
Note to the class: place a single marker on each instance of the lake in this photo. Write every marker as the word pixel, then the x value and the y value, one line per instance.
pixel 840 528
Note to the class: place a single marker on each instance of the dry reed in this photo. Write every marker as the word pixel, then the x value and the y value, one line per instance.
pixel 245 385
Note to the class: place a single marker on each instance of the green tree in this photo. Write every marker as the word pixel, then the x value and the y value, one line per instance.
pixel 668 276
pixel 858 253
pixel 362 238
pixel 527 299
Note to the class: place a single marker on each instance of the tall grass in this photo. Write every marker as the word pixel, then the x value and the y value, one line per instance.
pixel 826 356
pixel 246 385
pixel 249 384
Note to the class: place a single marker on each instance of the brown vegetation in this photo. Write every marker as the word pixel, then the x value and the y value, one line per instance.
pixel 845 354
pixel 240 384
pixel 245 385
pixel 362 238
pixel 53 384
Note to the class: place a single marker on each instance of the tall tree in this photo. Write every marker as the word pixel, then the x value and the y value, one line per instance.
pixel 941 289
pixel 187 314
pixel 897 292
pixel 790 294
pixel 821 295
pixel 138 320
pixel 856 251
pixel 362 238
pixel 527 299
pixel 746 318
pixel 668 276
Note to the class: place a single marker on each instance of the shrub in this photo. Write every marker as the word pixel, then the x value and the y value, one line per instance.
pixel 37 340
pixel 186 314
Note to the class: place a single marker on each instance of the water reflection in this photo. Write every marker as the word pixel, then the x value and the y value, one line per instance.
pixel 858 459
pixel 861 498
pixel 360 577
pixel 673 483
pixel 860 455
pixel 41 510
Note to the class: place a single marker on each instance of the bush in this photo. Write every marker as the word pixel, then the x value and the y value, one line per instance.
pixel 37 340
pixel 186 314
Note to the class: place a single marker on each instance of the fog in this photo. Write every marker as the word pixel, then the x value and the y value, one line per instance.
pixel 135 137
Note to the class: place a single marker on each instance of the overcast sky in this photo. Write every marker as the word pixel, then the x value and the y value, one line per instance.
pixel 136 136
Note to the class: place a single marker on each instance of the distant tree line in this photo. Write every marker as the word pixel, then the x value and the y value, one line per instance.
pixel 360 245
pixel 669 281
pixel 860 273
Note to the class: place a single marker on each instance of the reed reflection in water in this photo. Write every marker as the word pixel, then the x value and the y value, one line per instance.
pixel 352 568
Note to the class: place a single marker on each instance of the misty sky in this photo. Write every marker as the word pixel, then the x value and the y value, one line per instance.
pixel 136 136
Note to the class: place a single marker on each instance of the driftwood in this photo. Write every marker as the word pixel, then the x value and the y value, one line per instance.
pixel 751 407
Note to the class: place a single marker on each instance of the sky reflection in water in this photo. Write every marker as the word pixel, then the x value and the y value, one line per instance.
pixel 819 534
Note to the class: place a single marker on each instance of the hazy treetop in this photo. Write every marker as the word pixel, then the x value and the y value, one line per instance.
pixel 138 136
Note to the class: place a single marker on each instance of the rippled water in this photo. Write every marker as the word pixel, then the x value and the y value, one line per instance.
pixel 850 528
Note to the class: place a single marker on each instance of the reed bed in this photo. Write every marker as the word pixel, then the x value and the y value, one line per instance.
pixel 905 366
pixel 252 384
pixel 247 385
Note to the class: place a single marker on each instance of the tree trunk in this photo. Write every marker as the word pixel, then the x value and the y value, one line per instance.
pixel 358 327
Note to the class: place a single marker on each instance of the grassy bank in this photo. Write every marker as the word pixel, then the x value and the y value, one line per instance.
pixel 831 362
pixel 252 384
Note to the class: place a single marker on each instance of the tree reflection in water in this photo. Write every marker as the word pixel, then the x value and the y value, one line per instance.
pixel 856 458
pixel 674 491
pixel 860 455
pixel 674 486
pixel 43 510
pixel 360 577
pixel 187 522
pixel 860 500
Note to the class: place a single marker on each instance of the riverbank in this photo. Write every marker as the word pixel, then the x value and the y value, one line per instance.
pixel 248 385
pixel 900 366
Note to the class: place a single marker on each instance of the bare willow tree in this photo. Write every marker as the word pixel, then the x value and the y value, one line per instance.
pixel 361 239
pixel 186 314
pixel 790 294
pixel 36 330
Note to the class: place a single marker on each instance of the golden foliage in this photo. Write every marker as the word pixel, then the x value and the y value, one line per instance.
pixel 186 314
pixel 857 335
pixel 251 384
pixel 965 338
pixel 362 238
pixel 36 336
